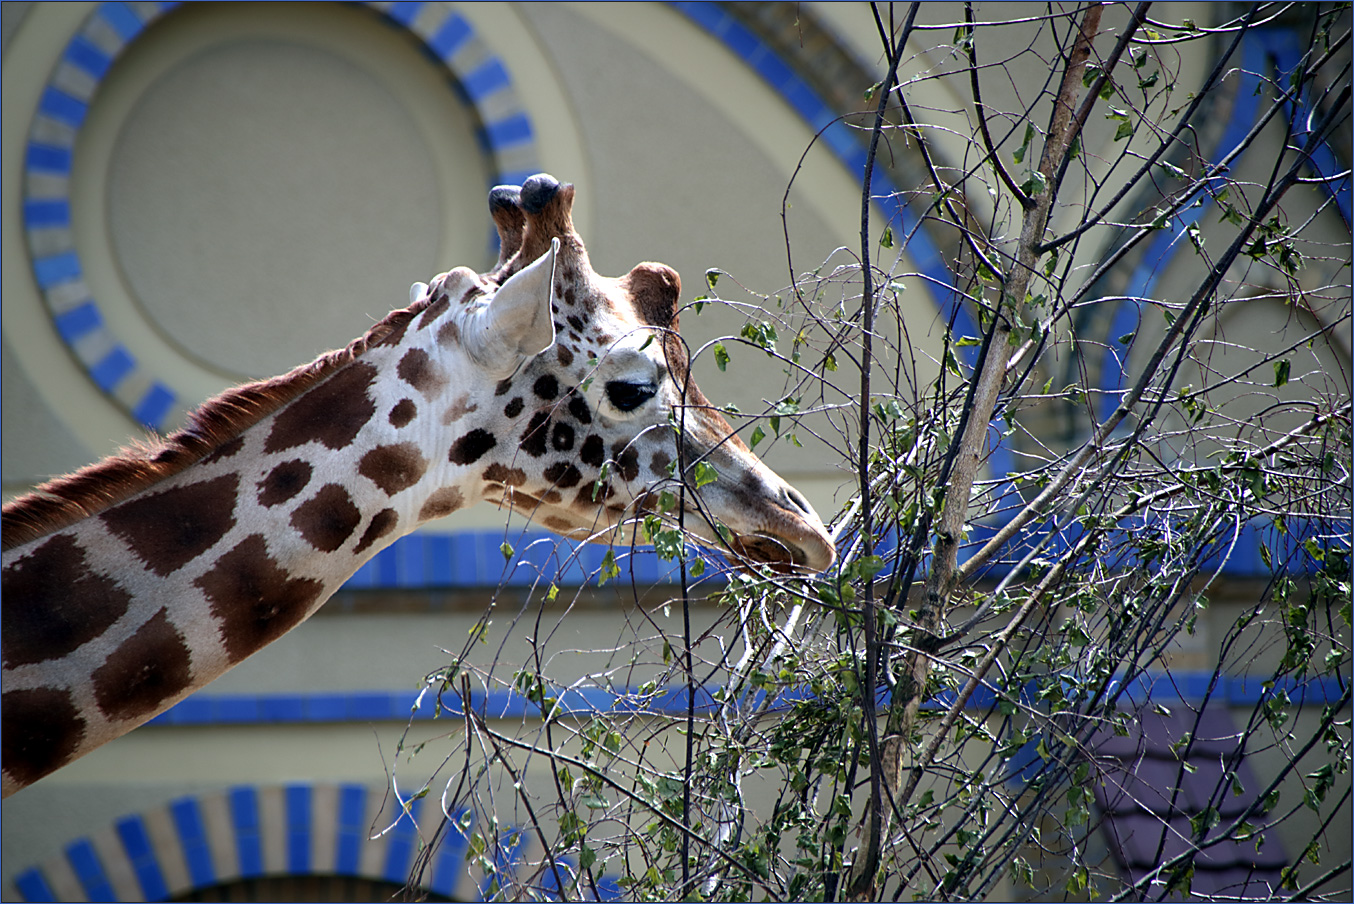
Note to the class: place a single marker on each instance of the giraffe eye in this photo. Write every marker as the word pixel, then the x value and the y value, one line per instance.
pixel 627 396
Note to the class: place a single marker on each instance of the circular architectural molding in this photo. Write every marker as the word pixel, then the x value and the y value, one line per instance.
pixel 148 369
pixel 248 831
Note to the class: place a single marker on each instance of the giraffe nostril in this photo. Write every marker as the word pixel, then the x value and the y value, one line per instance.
pixel 796 500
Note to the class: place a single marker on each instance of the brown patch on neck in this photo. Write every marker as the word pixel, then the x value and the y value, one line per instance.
pixel 66 500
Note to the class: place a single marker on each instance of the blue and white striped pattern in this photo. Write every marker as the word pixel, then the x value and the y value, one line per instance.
pixel 47 210
pixel 484 82
pixel 247 831
pixel 321 829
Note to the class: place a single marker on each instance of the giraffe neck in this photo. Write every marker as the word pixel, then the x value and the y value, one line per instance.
pixel 113 618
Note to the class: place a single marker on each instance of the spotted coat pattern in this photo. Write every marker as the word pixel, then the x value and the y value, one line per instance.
pixel 540 386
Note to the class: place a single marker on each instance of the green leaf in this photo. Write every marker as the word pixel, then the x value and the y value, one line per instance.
pixel 1125 130
pixel 711 277
pixel 1035 184
pixel 1281 371
pixel 721 356
pixel 758 434
pixel 705 473
pixel 506 549
pixel 609 568
pixel 886 239
pixel 1019 154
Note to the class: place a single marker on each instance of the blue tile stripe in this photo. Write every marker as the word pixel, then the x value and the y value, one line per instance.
pixel 401 844
pixel 298 829
pixel 193 840
pixel 350 832
pixel 244 818
pixel 445 35
pixel 32 884
pixel 449 865
pixel 203 709
pixel 141 852
pixel 88 868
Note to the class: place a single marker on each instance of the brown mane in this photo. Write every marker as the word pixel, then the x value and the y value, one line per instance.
pixel 63 501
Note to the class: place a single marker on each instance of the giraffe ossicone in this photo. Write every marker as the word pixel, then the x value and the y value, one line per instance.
pixel 540 386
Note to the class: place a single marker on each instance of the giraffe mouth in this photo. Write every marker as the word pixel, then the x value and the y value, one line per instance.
pixel 768 549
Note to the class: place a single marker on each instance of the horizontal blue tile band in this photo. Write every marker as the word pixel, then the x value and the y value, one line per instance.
pixel 397 706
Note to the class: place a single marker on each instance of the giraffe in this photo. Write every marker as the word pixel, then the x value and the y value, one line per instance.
pixel 540 386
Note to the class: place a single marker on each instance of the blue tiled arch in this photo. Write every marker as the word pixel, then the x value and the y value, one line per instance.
pixel 483 81
pixel 196 842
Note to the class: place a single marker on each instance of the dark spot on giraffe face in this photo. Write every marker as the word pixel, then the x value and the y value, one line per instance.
pixel 578 407
pixel 382 523
pixel 471 447
pixel 570 295
pixel 562 437
pixel 53 603
pixel 330 414
pixel 514 408
pixel 283 482
pixel 403 413
pixel 627 460
pixel 393 468
pixel 498 473
pixel 254 598
pixel 225 451
pixel 546 387
pixel 441 503
pixel 439 307
pixel 659 463
pixel 502 387
pixel 421 372
pixel 449 334
pixel 575 322
pixel 566 357
pixel 563 474
pixel 536 434
pixel 43 729
pixel 593 451
pixel 328 519
pixel 167 530
pixel 150 667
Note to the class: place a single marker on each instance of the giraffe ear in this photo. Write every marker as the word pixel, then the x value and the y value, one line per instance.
pixel 517 324
pixel 417 291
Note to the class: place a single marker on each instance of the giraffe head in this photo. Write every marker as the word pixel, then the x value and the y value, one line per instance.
pixel 594 398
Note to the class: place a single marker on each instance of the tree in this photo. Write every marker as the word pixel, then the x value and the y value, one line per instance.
pixel 1143 379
